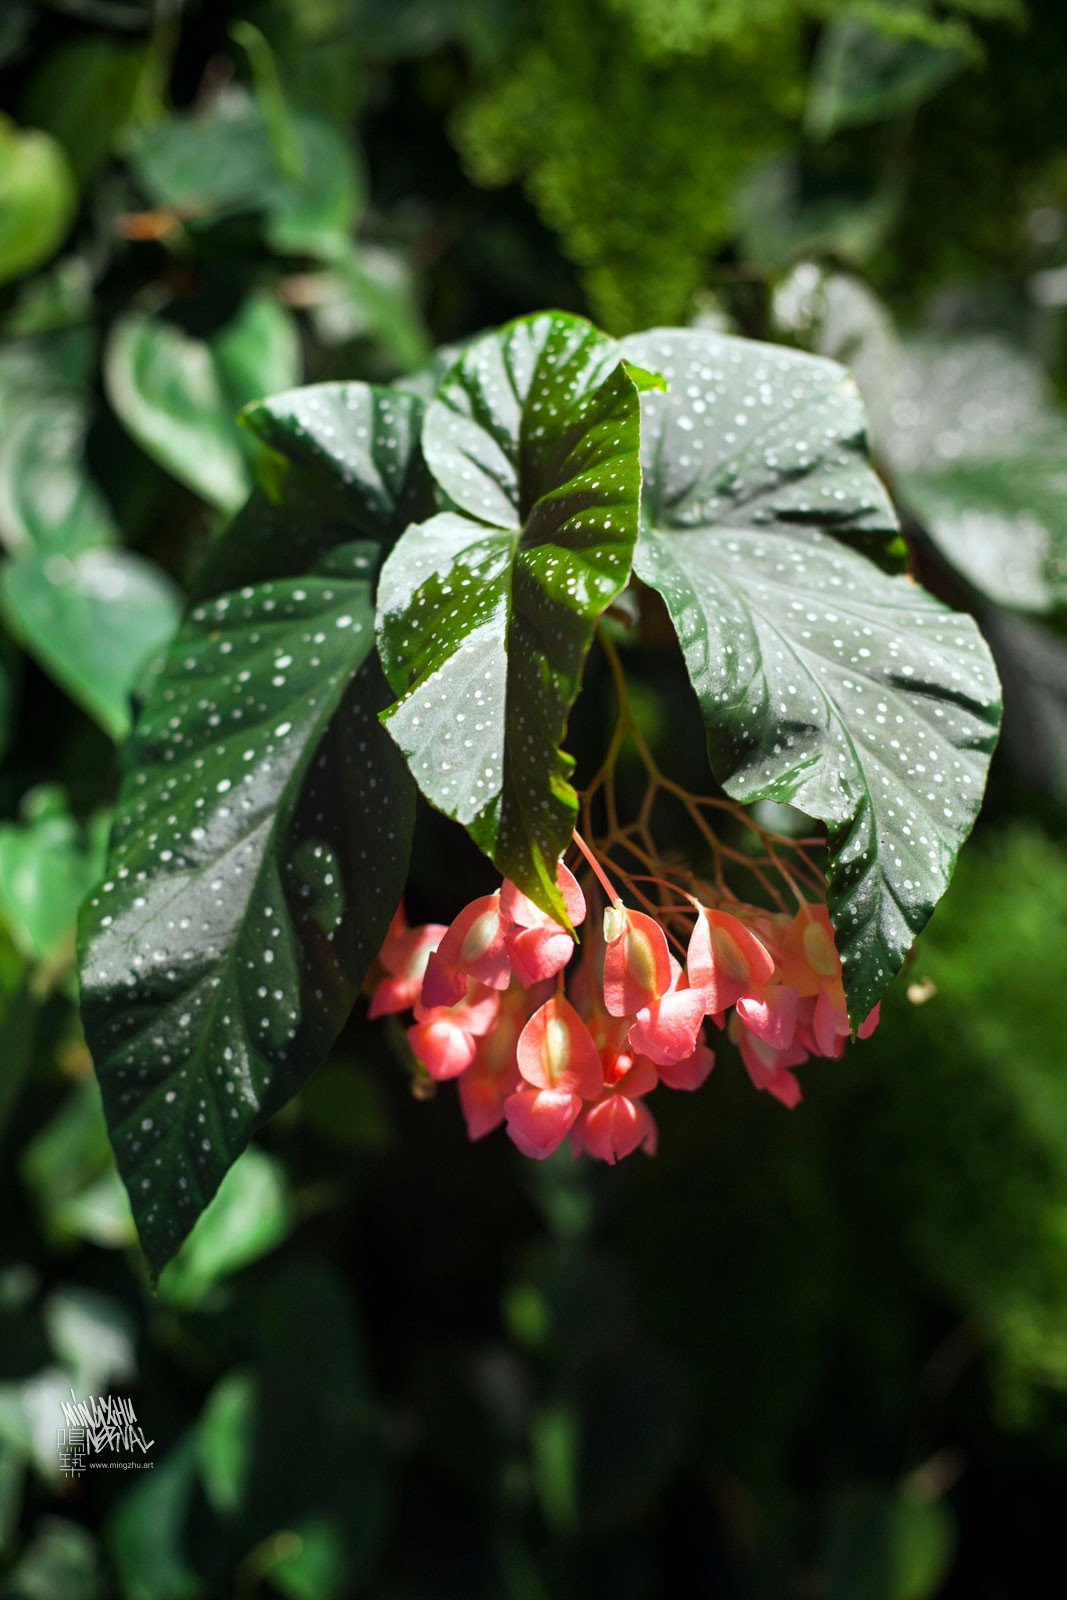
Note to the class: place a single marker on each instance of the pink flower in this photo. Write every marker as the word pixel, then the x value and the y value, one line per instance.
pixel 726 960
pixel 493 1074
pixel 538 1120
pixel 637 963
pixel 666 1030
pixel 556 1051
pixel 443 1037
pixel 690 1073
pixel 404 956
pixel 810 964
pixel 770 1069
pixel 615 1127
pixel 472 948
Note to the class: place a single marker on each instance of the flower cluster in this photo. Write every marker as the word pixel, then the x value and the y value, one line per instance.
pixel 577 1059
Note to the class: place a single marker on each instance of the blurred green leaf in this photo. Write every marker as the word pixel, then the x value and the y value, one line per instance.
pixel 145 1533
pixel 223 162
pixel 93 621
pixel 978 444
pixel 863 73
pixel 344 1105
pixel 225 1439
pixel 11 1481
pixel 48 864
pixel 251 1213
pixel 92 1334
pixel 84 94
pixel 38 198
pixel 179 396
pixel 783 212
pixel 61 1559
pixel 885 1544
pixel 70 1172
pixel 47 498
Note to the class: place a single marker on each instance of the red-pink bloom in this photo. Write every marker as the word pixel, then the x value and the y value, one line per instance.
pixel 771 1014
pixel 493 1074
pixel 666 1030
pixel 688 1074
pixel 537 946
pixel 726 960
pixel 443 1037
pixel 615 1127
pixel 404 955
pixel 556 1051
pixel 472 948
pixel 810 964
pixel 637 962
pixel 538 1120
pixel 768 1068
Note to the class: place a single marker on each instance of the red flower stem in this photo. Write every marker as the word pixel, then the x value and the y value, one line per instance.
pixel 605 882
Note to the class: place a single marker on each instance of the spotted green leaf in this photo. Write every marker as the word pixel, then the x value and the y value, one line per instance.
pixel 486 611
pixel 824 682
pixel 263 824
pixel 179 395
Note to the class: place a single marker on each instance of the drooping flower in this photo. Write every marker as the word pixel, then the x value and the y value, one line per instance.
pixel 637 962
pixel 556 1051
pixel 444 1038
pixel 666 1029
pixel 725 960
pixel 404 955
pixel 473 947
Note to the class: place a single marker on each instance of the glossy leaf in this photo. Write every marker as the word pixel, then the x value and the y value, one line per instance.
pixel 37 198
pixel 93 621
pixel 486 612
pixel 179 395
pixel 979 450
pixel 263 825
pixel 824 682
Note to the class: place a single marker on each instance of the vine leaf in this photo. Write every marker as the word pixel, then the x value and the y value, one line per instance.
pixel 824 682
pixel 263 825
pixel 486 612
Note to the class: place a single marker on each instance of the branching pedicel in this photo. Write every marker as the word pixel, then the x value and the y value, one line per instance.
pixel 556 1036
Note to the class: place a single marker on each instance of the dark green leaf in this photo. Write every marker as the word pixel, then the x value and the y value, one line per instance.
pixel 263 825
pixel 863 73
pixel 179 395
pixel 824 682
pixel 223 162
pixel 979 449
pixel 886 1544
pixel 37 198
pixel 84 95
pixel 93 621
pixel 146 1532
pixel 486 612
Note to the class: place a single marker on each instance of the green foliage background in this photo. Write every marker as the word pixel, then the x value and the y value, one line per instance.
pixel 811 1354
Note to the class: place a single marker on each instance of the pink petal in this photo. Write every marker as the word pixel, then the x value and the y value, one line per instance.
pixel 442 984
pixel 688 1074
pixel 392 995
pixel 475 943
pixel 615 1127
pixel 444 1048
pixel 667 1030
pixel 869 1023
pixel 637 967
pixel 771 1015
pixel 830 1024
pixel 556 1051
pixel 517 908
pixel 538 953
pixel 540 1119
pixel 405 954
pixel 726 960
